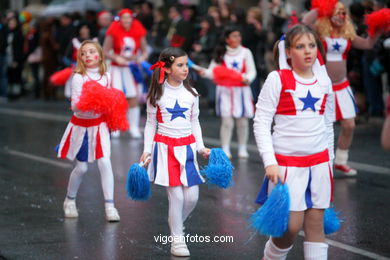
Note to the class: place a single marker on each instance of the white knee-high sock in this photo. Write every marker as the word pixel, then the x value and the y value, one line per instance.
pixel 226 131
pixel 107 180
pixel 341 156
pixel 272 252
pixel 75 179
pixel 242 131
pixel 315 251
pixel 133 117
pixel 191 195
pixel 175 211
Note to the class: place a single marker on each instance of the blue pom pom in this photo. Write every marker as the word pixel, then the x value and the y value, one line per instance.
pixel 332 223
pixel 146 68
pixel 219 171
pixel 190 63
pixel 138 186
pixel 272 218
pixel 137 74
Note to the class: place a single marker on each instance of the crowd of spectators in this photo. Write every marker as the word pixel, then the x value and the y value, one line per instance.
pixel 33 49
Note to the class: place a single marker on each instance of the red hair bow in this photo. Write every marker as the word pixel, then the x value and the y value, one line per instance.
pixel 161 66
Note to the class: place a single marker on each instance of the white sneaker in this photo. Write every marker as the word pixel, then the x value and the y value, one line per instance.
pixel 179 248
pixel 345 169
pixel 243 153
pixel 135 133
pixel 112 215
pixel 227 152
pixel 70 209
pixel 115 134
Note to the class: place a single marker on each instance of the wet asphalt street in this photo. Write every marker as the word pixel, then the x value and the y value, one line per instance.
pixel 33 186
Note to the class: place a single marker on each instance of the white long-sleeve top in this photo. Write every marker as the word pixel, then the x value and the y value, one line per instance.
pixel 239 59
pixel 175 115
pixel 307 132
pixel 77 86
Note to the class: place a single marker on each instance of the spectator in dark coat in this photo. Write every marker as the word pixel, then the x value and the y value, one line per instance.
pixel 3 63
pixel 180 32
pixel 15 57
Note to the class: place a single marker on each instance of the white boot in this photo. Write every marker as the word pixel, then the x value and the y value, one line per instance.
pixel 243 152
pixel 112 214
pixel 133 117
pixel 226 149
pixel 70 208
pixel 179 247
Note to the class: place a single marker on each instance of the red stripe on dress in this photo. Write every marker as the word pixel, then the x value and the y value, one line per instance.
pixel 345 53
pixel 285 175
pixel 84 122
pixel 173 168
pixel 331 183
pixel 98 148
pixel 243 70
pixel 325 45
pixel 340 86
pixel 322 110
pixel 303 161
pixel 171 141
pixel 319 57
pixel 65 148
pixel 286 104
pixel 158 115
pixel 339 116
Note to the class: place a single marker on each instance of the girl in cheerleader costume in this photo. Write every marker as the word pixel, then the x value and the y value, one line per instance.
pixel 338 36
pixel 125 40
pixel 298 98
pixel 172 138
pixel 87 137
pixel 234 101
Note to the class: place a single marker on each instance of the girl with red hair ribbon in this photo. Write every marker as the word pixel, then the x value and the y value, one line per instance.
pixel 173 137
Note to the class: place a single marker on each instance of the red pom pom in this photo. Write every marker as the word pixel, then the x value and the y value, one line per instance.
pixel 325 8
pixel 224 76
pixel 378 20
pixel 116 116
pixel 110 102
pixel 59 78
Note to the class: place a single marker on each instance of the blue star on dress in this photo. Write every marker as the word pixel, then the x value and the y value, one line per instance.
pixel 177 111
pixel 235 64
pixel 336 46
pixel 309 101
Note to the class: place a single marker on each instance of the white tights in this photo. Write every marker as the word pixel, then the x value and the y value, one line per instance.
pixel 182 200
pixel 106 175
pixel 226 131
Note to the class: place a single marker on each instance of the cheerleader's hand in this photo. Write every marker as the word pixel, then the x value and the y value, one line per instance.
pixel 273 174
pixel 145 158
pixel 121 60
pixel 205 152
